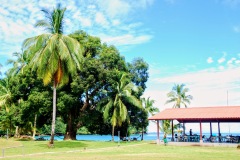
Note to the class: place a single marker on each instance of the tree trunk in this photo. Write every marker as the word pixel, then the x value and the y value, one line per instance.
pixel 54 114
pixel 10 131
pixel 113 133
pixel 71 130
pixel 16 132
pixel 34 126
pixel 142 133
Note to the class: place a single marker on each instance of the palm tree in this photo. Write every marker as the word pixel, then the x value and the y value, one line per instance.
pixel 148 106
pixel 178 96
pixel 53 55
pixel 166 126
pixel 115 108
pixel 18 64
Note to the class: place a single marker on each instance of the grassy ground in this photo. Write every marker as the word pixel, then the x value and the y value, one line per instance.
pixel 107 150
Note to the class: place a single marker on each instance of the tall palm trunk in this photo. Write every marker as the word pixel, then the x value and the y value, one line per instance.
pixel 113 133
pixel 54 113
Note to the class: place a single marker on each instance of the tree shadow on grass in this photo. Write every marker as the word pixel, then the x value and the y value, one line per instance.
pixel 65 144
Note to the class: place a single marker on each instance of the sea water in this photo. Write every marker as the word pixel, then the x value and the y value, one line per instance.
pixel 148 136
pixel 96 137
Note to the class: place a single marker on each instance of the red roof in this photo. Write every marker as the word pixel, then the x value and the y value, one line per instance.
pixel 203 114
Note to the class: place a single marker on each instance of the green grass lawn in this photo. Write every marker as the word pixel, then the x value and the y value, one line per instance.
pixel 107 150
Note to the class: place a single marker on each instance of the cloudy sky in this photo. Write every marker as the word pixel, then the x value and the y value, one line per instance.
pixel 192 42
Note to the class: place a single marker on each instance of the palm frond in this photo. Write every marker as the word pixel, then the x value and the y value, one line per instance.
pixel 134 101
pixel 5 93
pixel 44 24
pixel 107 107
pixel 123 112
pixel 114 118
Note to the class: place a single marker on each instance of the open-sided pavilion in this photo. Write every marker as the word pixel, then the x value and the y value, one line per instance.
pixel 199 115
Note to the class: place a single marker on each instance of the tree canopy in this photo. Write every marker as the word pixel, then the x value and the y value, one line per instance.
pixel 89 76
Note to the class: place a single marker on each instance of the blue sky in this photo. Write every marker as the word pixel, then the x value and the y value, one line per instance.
pixel 192 42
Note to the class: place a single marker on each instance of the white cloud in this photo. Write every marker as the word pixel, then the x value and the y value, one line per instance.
pixel 221 60
pixel 237 61
pixel 91 7
pixel 142 3
pixel 209 60
pixel 85 22
pixel 115 8
pixel 221 67
pixel 208 87
pixel 231 60
pixel 127 39
pixel 115 22
pixel 101 20
pixel 236 29
pixel 231 3
pixel 119 8
pixel 107 18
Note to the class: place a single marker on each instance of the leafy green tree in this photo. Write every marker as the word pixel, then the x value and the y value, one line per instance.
pixel 78 100
pixel 5 93
pixel 6 104
pixel 178 96
pixel 54 55
pixel 139 74
pixel 32 101
pixel 75 98
pixel 115 108
pixel 8 118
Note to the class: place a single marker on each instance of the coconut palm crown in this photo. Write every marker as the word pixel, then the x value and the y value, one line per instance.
pixel 54 55
pixel 178 96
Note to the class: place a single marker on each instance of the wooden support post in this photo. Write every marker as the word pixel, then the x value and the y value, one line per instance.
pixel 201 141
pixel 219 133
pixel 158 139
pixel 172 132
pixel 210 129
pixel 184 128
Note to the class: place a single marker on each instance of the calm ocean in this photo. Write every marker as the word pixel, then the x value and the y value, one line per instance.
pixel 149 136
